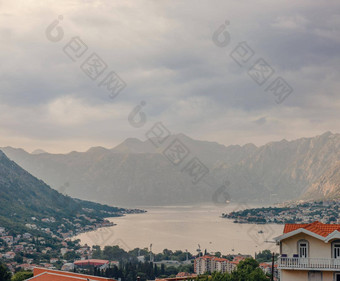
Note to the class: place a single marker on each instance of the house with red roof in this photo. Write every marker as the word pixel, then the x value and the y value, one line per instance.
pixel 309 252
pixel 102 264
pixel 43 274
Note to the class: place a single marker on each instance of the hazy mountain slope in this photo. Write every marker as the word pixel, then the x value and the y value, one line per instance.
pixel 285 168
pixel 23 196
pixel 135 172
pixel 327 186
pixel 112 178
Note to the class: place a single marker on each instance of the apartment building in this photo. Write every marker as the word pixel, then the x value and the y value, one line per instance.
pixel 211 264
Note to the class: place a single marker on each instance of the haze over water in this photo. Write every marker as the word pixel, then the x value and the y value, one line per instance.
pixel 184 227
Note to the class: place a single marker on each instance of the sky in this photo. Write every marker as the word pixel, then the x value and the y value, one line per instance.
pixel 207 69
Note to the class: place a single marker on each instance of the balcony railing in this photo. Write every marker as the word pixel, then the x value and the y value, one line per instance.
pixel 308 263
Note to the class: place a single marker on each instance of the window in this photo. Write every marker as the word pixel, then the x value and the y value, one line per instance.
pixel 336 249
pixel 303 246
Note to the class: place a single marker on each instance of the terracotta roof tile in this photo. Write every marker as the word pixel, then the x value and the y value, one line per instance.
pixel 43 274
pixel 315 227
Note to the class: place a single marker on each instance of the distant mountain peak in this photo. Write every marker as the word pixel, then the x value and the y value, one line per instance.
pixel 328 133
pixel 134 145
pixel 133 140
pixel 97 149
pixel 181 135
pixel 38 151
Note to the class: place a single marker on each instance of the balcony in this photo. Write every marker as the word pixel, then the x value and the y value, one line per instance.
pixel 309 263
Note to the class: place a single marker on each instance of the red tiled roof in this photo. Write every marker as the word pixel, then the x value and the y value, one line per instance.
pixel 263 264
pixel 185 274
pixel 205 257
pixel 43 274
pixel 315 227
pixel 220 259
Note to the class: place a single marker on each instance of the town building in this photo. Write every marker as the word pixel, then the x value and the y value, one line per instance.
pixel 202 264
pixel 8 239
pixel 309 252
pixel 9 255
pixel 101 264
pixel 43 274
pixel 208 263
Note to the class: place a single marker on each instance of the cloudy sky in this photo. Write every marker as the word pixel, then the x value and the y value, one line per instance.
pixel 164 52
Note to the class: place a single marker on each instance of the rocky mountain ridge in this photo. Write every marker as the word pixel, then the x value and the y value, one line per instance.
pixel 137 173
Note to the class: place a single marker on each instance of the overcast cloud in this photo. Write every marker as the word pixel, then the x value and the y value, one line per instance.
pixel 164 52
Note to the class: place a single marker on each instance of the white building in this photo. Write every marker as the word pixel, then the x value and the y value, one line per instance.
pixel 309 252
pixel 211 264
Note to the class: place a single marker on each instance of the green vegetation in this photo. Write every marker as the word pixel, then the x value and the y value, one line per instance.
pixel 128 271
pixel 146 271
pixel 248 270
pixel 22 275
pixel 129 266
pixel 265 256
pixel 118 254
pixel 5 274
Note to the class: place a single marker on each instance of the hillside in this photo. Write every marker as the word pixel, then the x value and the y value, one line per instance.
pixel 24 199
pixel 327 186
pixel 136 173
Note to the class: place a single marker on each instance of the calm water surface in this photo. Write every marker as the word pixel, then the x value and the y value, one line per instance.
pixel 184 227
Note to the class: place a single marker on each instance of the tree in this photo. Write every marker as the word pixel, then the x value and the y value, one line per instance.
pixel 218 276
pixel 257 275
pixel 249 270
pixel 264 256
pixel 5 274
pixel 22 275
pixel 171 270
pixel 162 269
pixel 155 270
pixel 97 252
pixel 218 254
pixel 18 258
pixel 114 253
pixel 71 256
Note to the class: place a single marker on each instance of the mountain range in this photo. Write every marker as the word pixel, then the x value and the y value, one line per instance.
pixel 137 173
